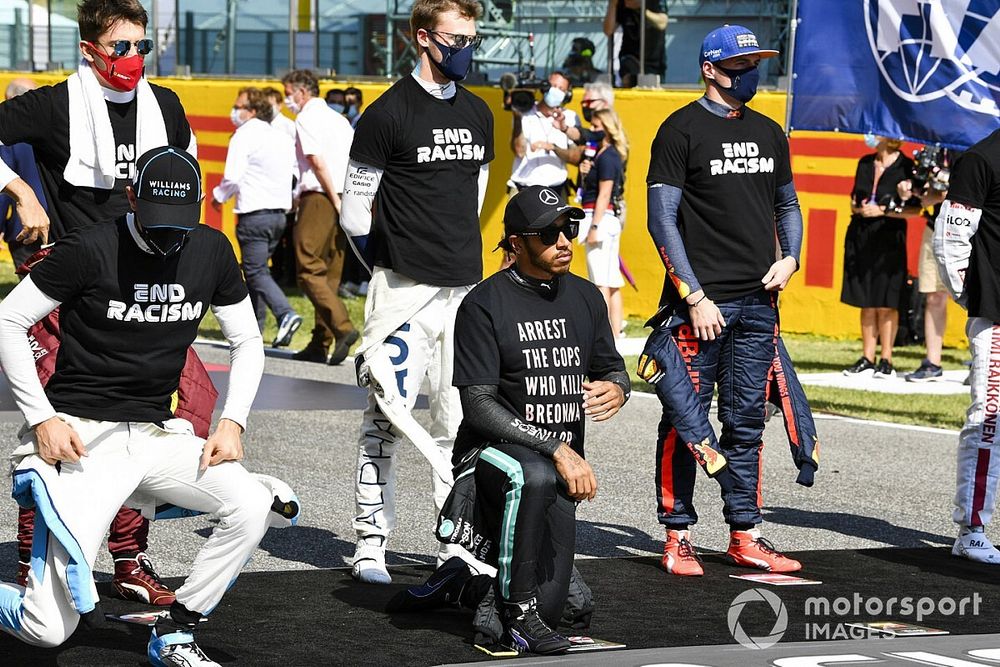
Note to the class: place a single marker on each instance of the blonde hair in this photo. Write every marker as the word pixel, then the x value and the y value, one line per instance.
pixel 613 130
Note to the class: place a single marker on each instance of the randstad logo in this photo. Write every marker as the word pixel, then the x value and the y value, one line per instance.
pixel 758 597
pixel 927 50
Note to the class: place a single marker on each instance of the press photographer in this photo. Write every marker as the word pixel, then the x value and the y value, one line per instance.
pixel 539 130
pixel 927 188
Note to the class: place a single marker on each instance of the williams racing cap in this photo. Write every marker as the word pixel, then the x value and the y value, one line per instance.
pixel 730 41
pixel 535 207
pixel 168 189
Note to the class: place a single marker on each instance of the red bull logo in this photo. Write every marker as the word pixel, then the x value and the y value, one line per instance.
pixel 709 459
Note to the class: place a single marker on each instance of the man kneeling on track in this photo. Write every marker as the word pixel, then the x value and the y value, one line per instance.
pixel 101 433
pixel 527 340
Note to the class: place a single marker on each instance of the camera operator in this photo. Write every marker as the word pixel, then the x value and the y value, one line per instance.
pixel 929 187
pixel 539 134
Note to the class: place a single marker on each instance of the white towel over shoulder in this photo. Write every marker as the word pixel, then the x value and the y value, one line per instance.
pixel 92 143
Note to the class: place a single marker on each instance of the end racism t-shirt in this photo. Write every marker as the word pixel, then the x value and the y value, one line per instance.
pixel 41 118
pixel 426 223
pixel 729 171
pixel 975 182
pixel 537 349
pixel 128 317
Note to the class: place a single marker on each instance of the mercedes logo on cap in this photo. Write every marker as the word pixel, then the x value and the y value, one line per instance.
pixel 548 197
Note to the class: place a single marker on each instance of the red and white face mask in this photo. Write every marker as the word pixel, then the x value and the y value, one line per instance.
pixel 119 73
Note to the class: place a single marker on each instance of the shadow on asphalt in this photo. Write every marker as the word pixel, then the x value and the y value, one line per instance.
pixel 853 525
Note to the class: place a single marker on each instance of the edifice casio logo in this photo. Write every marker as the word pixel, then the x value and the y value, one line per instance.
pixel 762 600
pixel 932 49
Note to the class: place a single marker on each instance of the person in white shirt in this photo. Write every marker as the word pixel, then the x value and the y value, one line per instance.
pixel 322 144
pixel 283 258
pixel 538 134
pixel 259 168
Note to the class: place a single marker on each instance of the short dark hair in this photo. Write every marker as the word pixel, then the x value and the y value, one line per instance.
pixel 258 103
pixel 425 12
pixel 98 16
pixel 357 93
pixel 273 94
pixel 334 91
pixel 302 78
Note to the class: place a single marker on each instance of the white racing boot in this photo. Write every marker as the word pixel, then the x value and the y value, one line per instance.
pixel 369 564
pixel 973 544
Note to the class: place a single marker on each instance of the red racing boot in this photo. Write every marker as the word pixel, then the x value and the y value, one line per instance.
pixel 136 580
pixel 679 555
pixel 749 549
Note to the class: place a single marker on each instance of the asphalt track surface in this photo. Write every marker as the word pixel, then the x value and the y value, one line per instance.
pixel 878 486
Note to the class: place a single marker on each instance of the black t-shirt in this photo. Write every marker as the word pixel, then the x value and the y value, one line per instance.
pixel 537 349
pixel 607 167
pixel 128 317
pixel 729 170
pixel 975 182
pixel 426 223
pixel 629 20
pixel 41 118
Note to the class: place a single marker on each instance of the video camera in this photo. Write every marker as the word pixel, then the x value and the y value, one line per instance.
pixel 521 93
pixel 932 168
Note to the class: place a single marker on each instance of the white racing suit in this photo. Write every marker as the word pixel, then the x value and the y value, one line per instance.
pixel 414 324
pixel 978 454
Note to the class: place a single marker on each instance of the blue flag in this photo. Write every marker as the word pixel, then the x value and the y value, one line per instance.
pixel 923 70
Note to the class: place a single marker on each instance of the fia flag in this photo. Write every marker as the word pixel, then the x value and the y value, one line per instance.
pixel 923 70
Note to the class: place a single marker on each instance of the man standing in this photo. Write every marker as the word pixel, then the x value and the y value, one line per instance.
pixel 259 167
pixel 323 140
pixel 21 159
pixel 628 15
pixel 421 156
pixel 539 134
pixel 131 296
pixel 88 130
pixel 719 178
pixel 967 249
pixel 534 357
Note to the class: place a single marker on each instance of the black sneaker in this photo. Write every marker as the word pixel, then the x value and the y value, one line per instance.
pixel 442 588
pixel 343 348
pixel 861 367
pixel 528 632
pixel 884 370
pixel 311 353
pixel 927 372
pixel 289 324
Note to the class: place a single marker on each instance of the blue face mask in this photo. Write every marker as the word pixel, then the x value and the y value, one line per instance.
pixel 352 111
pixel 339 108
pixel 455 62
pixel 553 97
pixel 871 141
pixel 743 84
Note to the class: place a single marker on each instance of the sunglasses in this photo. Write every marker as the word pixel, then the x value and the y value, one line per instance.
pixel 550 235
pixel 461 41
pixel 121 47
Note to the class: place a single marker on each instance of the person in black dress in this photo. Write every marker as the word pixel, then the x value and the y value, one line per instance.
pixel 875 253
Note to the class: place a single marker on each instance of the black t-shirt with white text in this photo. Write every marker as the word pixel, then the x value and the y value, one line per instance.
pixel 127 317
pixel 537 350
pixel 975 182
pixel 41 118
pixel 729 170
pixel 426 221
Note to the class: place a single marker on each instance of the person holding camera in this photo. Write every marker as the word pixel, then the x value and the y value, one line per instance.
pixel 929 193
pixel 538 133
pixel 875 253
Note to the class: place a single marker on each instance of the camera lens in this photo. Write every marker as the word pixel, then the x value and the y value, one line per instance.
pixel 522 100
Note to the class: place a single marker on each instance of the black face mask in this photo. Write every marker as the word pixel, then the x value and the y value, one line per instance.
pixel 164 241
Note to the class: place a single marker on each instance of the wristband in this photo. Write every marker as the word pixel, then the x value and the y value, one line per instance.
pixel 703 297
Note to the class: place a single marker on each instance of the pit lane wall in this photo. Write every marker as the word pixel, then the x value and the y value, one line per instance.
pixel 823 165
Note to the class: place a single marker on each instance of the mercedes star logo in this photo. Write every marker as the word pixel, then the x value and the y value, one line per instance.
pixel 548 197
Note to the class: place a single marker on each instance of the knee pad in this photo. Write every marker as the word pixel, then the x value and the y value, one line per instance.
pixel 285 505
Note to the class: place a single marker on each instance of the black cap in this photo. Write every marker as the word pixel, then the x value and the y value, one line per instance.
pixel 535 207
pixel 168 188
